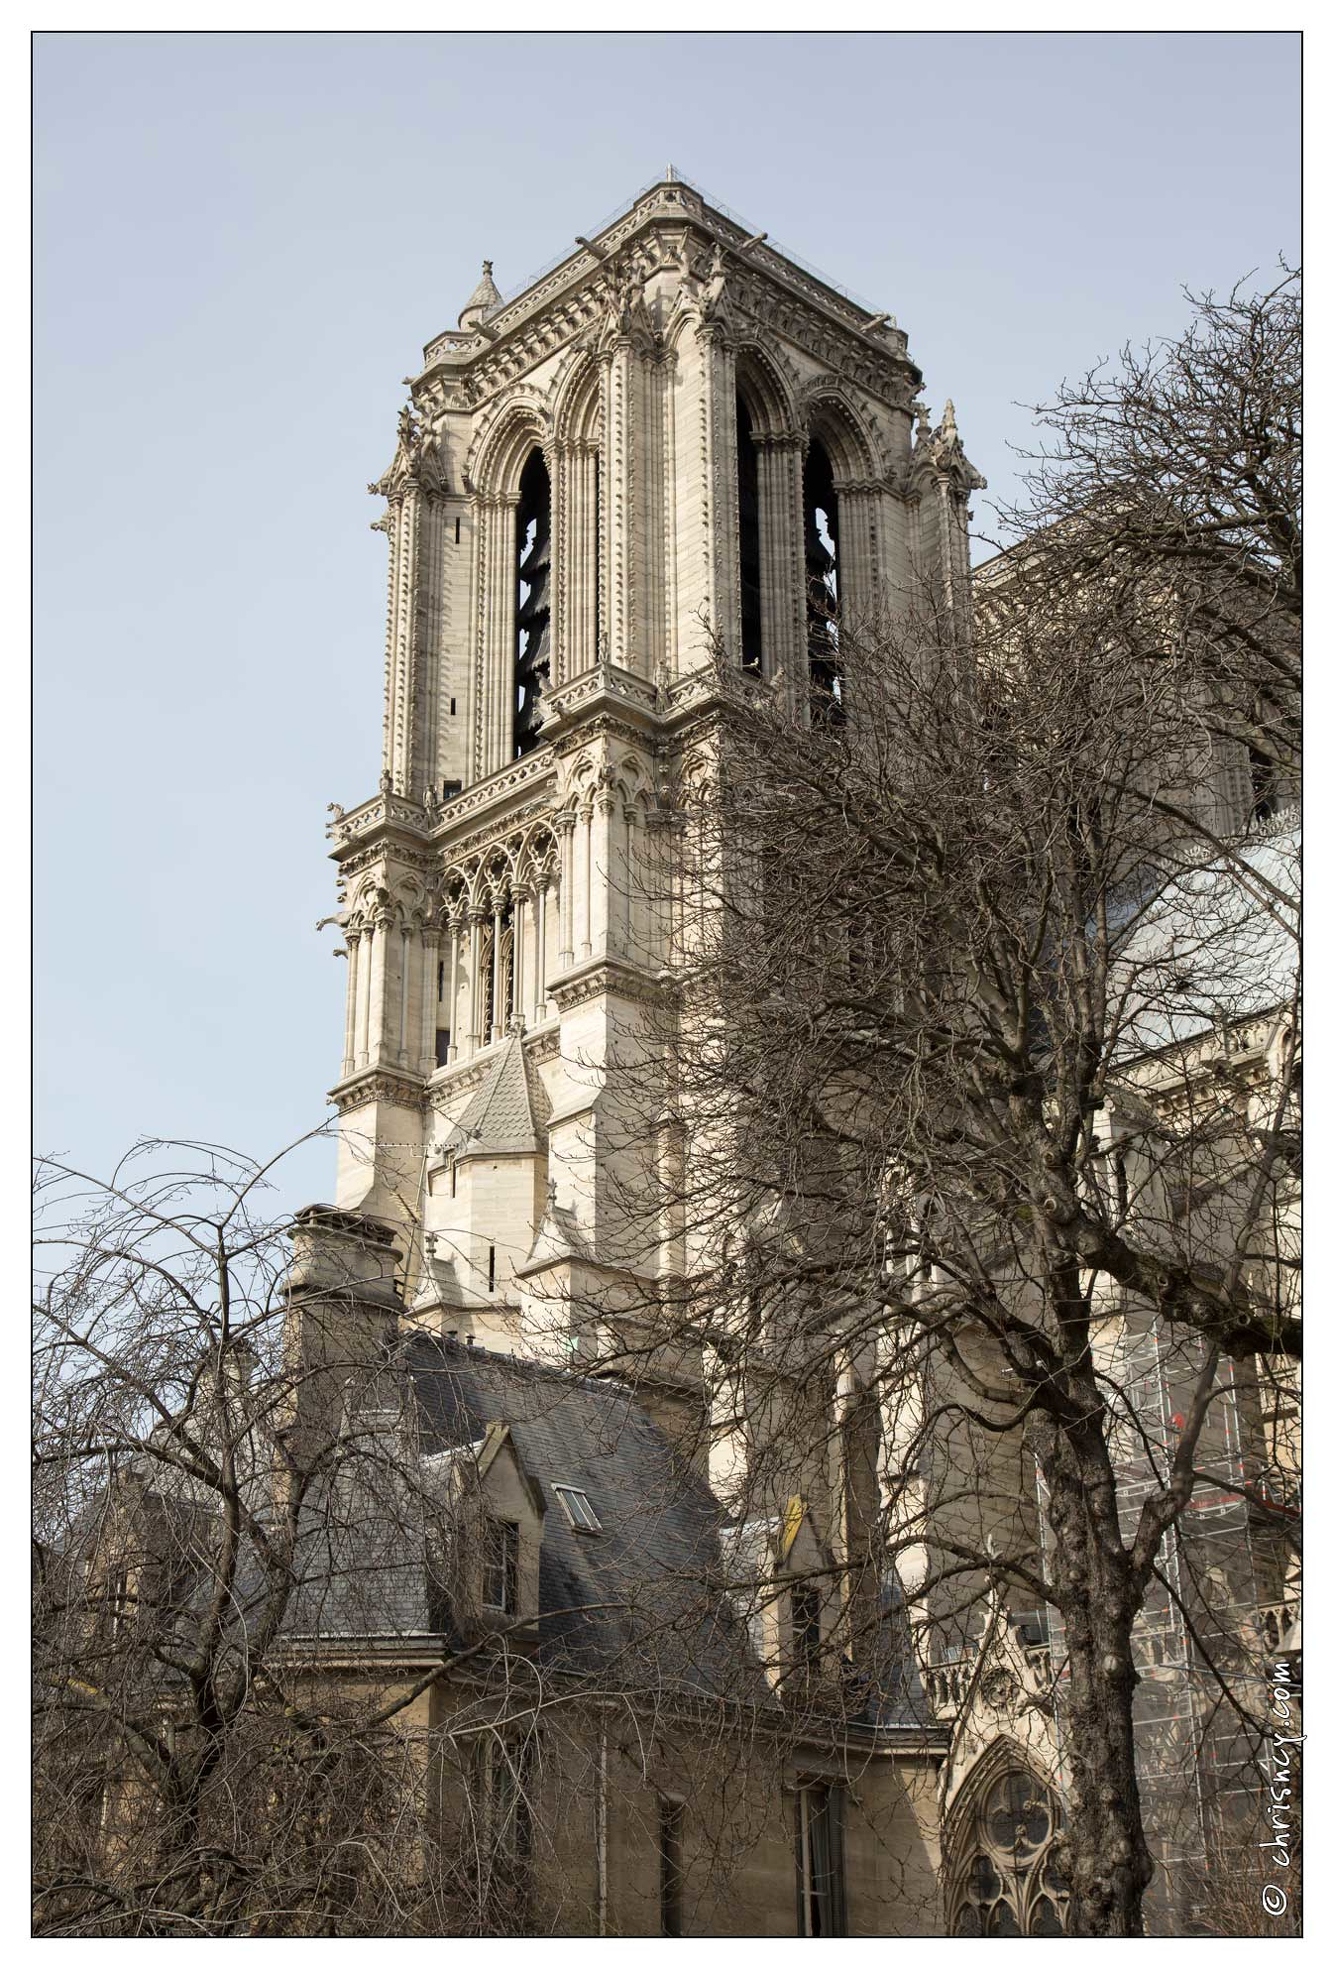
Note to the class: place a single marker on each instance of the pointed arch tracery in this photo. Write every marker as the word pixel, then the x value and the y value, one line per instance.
pixel 576 413
pixel 764 427
pixel 833 420
pixel 501 448
pixel 578 428
pixel 769 395
pixel 1003 1846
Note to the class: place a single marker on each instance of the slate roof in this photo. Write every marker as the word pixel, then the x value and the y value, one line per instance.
pixel 655 1604
pixel 507 1113
pixel 652 1602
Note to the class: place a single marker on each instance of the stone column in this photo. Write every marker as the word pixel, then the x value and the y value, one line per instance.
pixel 353 940
pixel 617 516
pixel 404 982
pixel 365 972
pixel 654 927
pixel 476 918
pixel 575 528
pixel 585 548
pixel 401 652
pixel 378 1048
pixel 430 959
pixel 565 824
pixel 498 634
pixel 518 1005
pixel 857 572
pixel 586 881
pixel 457 923
pixel 497 1010
pixel 782 557
pixel 723 581
pixel 630 879
pixel 540 954
pixel 561 468
pixel 602 872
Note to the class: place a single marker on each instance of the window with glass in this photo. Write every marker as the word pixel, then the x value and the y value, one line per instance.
pixel 500 1566
pixel 503 1773
pixel 579 1513
pixel 821 1883
pixel 671 1815
pixel 1008 1874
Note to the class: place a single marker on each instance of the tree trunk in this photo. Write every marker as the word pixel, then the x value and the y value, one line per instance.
pixel 1108 1863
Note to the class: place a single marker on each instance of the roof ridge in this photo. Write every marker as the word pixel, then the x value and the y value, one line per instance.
pixel 463 1350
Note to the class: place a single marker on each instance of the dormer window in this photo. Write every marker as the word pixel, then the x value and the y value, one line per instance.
pixel 500 1566
pixel 578 1511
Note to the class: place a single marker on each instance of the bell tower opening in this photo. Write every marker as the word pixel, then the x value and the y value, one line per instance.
pixel 820 508
pixel 748 515
pixel 532 656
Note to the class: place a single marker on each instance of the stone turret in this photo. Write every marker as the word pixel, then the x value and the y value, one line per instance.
pixel 485 297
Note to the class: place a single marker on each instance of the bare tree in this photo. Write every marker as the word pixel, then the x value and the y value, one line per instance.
pixel 287 1680
pixel 957 1159
pixel 977 1113
pixel 182 1782
pixel 969 1118
pixel 1173 479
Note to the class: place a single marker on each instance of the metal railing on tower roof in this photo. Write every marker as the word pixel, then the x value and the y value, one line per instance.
pixel 717 205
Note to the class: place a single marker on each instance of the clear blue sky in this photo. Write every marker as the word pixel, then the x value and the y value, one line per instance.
pixel 243 241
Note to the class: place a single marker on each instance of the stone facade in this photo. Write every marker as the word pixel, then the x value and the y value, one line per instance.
pixel 601 488
pixel 495 892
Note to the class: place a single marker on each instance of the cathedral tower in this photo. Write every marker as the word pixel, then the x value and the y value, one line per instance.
pixel 676 441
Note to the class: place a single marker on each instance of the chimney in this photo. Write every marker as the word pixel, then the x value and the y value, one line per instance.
pixel 343 1308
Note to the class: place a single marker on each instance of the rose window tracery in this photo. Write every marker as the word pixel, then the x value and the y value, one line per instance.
pixel 1009 1872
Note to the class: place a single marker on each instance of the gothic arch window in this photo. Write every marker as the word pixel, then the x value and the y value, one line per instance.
pixel 1007 1864
pixel 532 616
pixel 819 503
pixel 748 520
pixel 496 973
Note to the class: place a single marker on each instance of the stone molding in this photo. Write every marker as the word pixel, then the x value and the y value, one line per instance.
pixel 374 1084
pixel 383 810
pixel 656 235
pixel 609 978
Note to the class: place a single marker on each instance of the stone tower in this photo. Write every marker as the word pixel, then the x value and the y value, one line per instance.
pixel 663 447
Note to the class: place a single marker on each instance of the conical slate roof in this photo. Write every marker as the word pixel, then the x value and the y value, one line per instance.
pixel 500 1119
pixel 485 296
